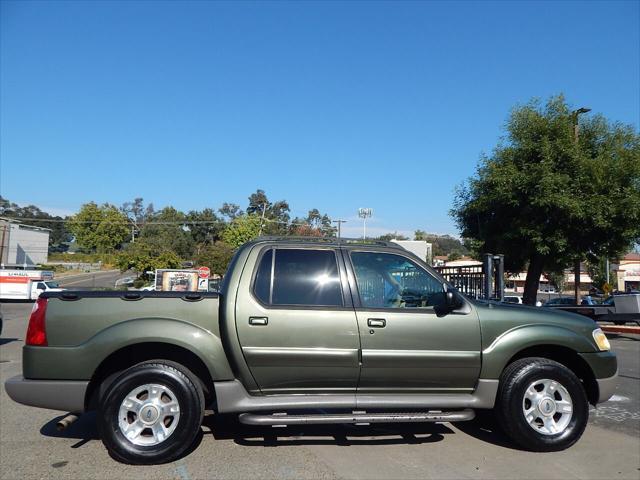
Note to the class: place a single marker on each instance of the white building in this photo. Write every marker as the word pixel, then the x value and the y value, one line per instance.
pixel 419 248
pixel 22 245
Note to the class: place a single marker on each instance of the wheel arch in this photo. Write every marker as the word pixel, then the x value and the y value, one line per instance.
pixel 133 354
pixel 567 357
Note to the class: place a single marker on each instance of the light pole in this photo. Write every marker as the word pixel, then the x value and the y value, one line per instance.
pixel 576 268
pixel 364 213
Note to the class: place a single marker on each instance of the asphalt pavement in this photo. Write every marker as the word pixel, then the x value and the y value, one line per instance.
pixel 31 447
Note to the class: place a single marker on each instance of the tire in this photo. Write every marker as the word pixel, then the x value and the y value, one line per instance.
pixel 152 413
pixel 541 405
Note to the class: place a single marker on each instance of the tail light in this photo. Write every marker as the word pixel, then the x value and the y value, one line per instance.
pixel 36 332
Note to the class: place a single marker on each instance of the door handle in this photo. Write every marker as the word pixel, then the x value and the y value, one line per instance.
pixel 376 322
pixel 258 320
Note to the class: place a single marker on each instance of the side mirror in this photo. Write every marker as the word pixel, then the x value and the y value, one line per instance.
pixel 450 303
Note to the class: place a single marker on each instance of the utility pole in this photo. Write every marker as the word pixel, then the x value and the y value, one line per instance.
pixel 364 213
pixel 264 209
pixel 339 222
pixel 576 268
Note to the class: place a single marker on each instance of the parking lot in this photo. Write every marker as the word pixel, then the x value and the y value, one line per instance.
pixel 31 447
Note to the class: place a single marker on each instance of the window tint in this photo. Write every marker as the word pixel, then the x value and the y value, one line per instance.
pixel 306 277
pixel 41 286
pixel 393 281
pixel 262 284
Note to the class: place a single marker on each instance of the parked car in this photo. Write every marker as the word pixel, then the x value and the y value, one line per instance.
pixel 513 299
pixel 559 301
pixel 310 331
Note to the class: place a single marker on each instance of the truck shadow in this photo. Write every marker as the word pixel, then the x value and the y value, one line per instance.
pixel 227 427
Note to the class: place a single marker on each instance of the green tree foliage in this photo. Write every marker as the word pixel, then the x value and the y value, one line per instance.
pixel 204 226
pixel 275 215
pixel 442 244
pixel 144 257
pixel 314 224
pixel 230 211
pixel 387 237
pixel 32 215
pixel 167 230
pixel 241 230
pixel 545 201
pixel 99 228
pixel 215 256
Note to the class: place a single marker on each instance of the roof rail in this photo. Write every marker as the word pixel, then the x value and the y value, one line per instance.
pixel 339 241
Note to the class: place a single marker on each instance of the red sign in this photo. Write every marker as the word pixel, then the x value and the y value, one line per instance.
pixel 203 272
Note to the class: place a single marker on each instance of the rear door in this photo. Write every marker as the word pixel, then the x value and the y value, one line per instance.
pixel 296 323
pixel 406 347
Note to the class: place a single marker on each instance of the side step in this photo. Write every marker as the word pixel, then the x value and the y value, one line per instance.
pixel 282 419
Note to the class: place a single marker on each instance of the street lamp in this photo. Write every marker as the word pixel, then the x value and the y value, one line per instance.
pixel 364 213
pixel 576 269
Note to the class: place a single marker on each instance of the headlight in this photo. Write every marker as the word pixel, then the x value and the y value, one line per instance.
pixel 601 339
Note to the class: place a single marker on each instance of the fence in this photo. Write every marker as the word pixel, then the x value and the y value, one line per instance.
pixel 482 281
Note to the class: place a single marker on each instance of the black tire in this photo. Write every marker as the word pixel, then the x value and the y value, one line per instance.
pixel 187 390
pixel 515 379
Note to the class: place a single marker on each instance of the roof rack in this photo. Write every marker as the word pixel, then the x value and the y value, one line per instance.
pixel 332 240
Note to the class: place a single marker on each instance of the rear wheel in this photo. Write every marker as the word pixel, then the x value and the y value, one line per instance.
pixel 151 413
pixel 541 405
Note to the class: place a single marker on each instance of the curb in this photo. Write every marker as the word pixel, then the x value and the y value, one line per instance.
pixel 620 329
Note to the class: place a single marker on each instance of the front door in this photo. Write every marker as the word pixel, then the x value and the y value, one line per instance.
pixel 296 322
pixel 406 347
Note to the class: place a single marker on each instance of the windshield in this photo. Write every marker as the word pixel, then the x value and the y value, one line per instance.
pixel 52 284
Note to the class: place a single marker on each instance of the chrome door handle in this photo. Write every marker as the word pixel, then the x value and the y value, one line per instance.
pixel 258 320
pixel 376 322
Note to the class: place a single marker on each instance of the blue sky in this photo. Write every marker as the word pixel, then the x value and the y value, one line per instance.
pixel 329 105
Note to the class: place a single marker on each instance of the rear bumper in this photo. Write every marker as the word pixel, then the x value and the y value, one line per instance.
pixel 62 395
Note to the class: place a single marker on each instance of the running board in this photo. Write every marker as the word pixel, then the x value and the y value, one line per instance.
pixel 282 419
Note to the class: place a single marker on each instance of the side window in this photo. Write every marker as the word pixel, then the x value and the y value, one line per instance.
pixel 300 277
pixel 262 285
pixel 392 281
pixel 41 286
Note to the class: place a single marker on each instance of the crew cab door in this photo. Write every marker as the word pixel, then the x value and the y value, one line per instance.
pixel 406 347
pixel 295 321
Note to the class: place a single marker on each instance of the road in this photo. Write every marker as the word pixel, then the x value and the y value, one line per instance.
pixel 31 447
pixel 105 279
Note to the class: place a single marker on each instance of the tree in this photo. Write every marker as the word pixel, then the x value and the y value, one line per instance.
pixel 100 229
pixel 167 230
pixel 275 216
pixel 230 210
pixel 314 225
pixel 205 226
pixel 241 230
pixel 137 213
pixel 545 200
pixel 442 244
pixel 216 256
pixel 143 257
pixel 387 237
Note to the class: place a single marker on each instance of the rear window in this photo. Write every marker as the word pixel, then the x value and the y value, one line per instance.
pixel 300 277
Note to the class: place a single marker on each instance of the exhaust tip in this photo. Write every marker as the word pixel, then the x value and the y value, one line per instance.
pixel 64 423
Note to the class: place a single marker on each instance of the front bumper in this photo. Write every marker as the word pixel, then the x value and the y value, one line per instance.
pixel 604 366
pixel 607 387
pixel 62 395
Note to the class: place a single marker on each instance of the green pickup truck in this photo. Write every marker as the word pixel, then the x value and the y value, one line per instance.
pixel 302 332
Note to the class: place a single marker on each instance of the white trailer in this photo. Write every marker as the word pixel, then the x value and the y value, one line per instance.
pixel 26 284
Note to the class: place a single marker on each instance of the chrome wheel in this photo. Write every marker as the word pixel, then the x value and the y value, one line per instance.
pixel 149 414
pixel 547 407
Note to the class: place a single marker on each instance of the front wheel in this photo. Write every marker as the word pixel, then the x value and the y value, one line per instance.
pixel 151 413
pixel 541 405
